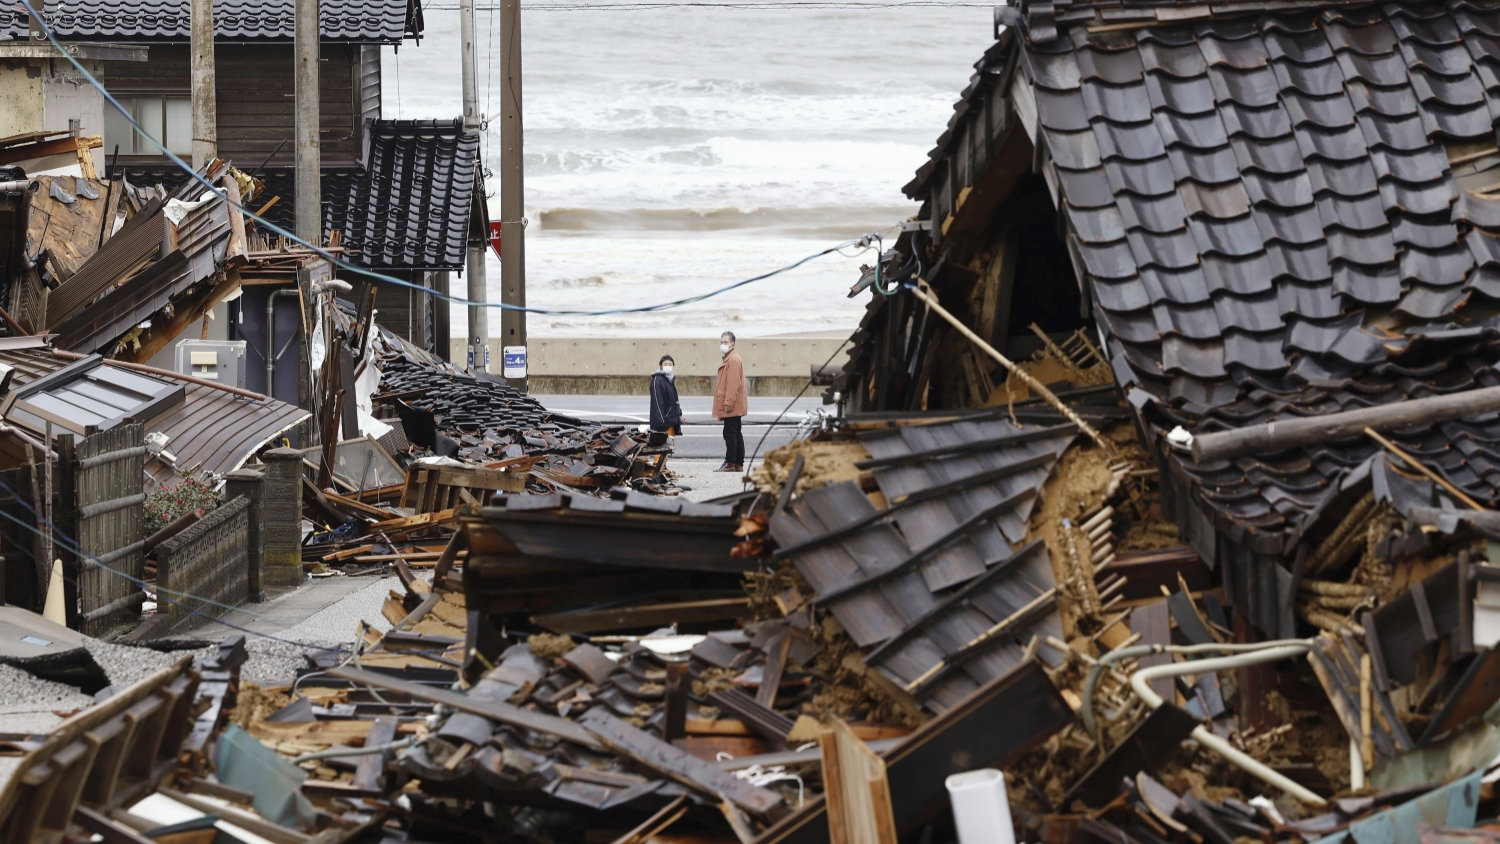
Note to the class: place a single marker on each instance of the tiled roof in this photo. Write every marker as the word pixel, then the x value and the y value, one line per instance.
pixel 167 21
pixel 1272 223
pixel 408 209
pixel 412 207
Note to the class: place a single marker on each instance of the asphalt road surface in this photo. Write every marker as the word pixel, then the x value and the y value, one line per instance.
pixel 702 435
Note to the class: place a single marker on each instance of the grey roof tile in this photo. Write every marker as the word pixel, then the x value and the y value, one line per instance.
pixel 1391 102
pixel 1347 178
pixel 1401 133
pixel 1486 280
pixel 1226 200
pixel 1256 351
pixel 1148 178
pixel 1422 232
pixel 1117 67
pixel 1369 248
pixel 1426 302
pixel 1132 326
pixel 1360 213
pixel 1305 47
pixel 1472 122
pixel 1318 80
pixel 1078 150
pixel 1120 103
pixel 1291 191
pixel 1062 111
pixel 1086 188
pixel 1144 359
pixel 1185 286
pixel 1237 237
pixel 265 21
pixel 1307 263
pixel 1371 285
pixel 1209 167
pixel 1194 95
pixel 1478 209
pixel 1058 71
pixel 1204 393
pixel 1203 358
pixel 1449 90
pixel 1313 301
pixel 1172 251
pixel 1204 131
pixel 1346 144
pixel 1482 46
pixel 1484 247
pixel 1424 165
pixel 1278 156
pixel 1431 198
pixel 1182 61
pixel 1450 60
pixel 1299 226
pixel 1438 269
pixel 1122 295
pixel 1108 260
pixel 1372 40
pixel 1246 276
pixel 1327 112
pixel 1160 214
pixel 1251 88
pixel 1387 70
pixel 1097 225
pixel 1137 142
pixel 1260 123
pixel 1196 322
pixel 1249 313
pixel 1239 53
pixel 1437 31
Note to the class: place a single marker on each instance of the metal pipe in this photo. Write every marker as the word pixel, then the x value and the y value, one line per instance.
pixel 1140 682
pixel 337 752
pixel 271 338
pixel 27 185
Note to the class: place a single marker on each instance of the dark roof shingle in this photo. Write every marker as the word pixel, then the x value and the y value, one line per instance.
pixel 168 21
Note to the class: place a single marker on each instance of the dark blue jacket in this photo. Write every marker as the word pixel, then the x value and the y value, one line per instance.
pixel 666 412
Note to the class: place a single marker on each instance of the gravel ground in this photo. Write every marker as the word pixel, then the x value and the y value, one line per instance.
pixel 274 662
pixel 125 665
pixel 705 482
pixel 20 692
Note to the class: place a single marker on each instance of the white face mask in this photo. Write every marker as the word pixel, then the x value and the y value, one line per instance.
pixel 723 348
pixel 667 368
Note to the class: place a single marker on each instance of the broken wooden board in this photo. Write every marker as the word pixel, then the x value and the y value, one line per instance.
pixel 1149 745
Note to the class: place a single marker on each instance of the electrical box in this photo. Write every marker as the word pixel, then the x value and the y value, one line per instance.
pixel 213 360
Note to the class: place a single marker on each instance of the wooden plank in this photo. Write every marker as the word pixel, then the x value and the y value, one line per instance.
pixel 776 655
pixel 677 764
pixel 369 769
pixel 1153 622
pixel 856 789
pixel 645 615
pixel 502 712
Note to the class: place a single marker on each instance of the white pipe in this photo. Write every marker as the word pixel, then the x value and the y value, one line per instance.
pixel 1140 681
pixel 1356 765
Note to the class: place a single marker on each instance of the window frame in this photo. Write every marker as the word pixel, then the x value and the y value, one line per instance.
pixel 20 407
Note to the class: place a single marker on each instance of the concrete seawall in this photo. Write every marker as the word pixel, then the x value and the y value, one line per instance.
pixel 774 366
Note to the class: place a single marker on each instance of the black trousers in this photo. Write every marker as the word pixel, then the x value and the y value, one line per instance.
pixel 734 441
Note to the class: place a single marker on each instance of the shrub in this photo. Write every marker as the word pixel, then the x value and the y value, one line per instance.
pixel 166 504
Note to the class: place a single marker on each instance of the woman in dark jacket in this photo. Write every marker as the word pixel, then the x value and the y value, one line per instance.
pixel 666 412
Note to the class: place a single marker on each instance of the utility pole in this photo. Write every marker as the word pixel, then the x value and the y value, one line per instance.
pixel 512 196
pixel 309 157
pixel 479 315
pixel 204 81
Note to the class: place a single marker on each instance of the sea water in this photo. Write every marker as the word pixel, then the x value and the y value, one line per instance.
pixel 674 151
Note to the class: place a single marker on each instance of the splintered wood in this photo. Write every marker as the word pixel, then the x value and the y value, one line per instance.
pixel 854 781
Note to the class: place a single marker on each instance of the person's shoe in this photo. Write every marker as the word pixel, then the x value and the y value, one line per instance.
pixel 738 467
pixel 724 467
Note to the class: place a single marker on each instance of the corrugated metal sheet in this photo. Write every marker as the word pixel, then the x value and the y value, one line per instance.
pixel 211 431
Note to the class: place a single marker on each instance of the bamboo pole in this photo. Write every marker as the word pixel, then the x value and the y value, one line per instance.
pixel 1420 467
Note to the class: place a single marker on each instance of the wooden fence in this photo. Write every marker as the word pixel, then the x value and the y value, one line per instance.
pixel 23 575
pixel 104 474
pixel 209 561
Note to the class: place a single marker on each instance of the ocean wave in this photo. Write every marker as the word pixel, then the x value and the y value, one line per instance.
pixel 815 221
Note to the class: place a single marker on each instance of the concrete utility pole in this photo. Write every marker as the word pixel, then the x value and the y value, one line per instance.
pixel 512 186
pixel 309 157
pixel 205 83
pixel 479 316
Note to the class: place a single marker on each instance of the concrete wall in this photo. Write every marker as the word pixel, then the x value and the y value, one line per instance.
pixel 67 96
pixel 791 357
pixel 21 96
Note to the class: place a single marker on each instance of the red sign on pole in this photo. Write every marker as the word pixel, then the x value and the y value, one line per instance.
pixel 495 237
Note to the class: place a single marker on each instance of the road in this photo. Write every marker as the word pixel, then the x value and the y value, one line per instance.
pixel 702 437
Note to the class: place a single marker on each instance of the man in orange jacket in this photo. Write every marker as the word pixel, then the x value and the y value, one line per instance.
pixel 731 403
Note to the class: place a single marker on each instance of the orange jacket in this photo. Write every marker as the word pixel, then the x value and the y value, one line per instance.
pixel 731 395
